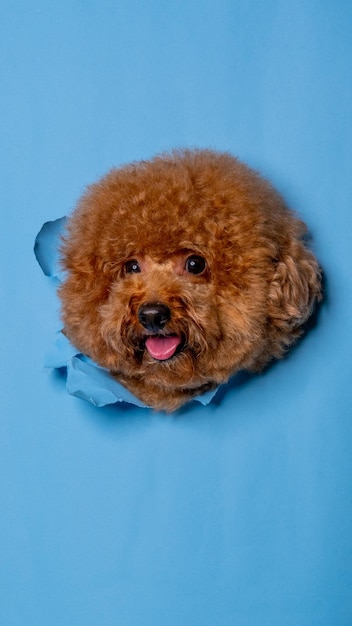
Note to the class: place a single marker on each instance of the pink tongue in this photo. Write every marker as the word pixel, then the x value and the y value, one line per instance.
pixel 162 348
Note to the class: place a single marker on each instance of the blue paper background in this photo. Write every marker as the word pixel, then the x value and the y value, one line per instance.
pixel 238 513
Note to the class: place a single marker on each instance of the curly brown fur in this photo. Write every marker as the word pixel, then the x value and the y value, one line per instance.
pixel 128 245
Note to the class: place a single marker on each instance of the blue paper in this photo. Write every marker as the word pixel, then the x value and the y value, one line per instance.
pixel 84 378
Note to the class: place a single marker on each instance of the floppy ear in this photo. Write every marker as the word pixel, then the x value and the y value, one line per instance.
pixel 294 289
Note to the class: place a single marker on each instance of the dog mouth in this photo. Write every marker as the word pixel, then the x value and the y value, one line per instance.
pixel 163 347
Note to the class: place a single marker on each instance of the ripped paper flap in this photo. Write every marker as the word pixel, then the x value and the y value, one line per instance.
pixel 46 248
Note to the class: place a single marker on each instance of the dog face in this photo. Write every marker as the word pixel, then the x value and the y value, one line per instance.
pixel 182 271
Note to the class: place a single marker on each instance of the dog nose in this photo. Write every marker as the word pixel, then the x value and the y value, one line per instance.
pixel 154 316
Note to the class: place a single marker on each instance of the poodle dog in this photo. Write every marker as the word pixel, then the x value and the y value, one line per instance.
pixel 183 270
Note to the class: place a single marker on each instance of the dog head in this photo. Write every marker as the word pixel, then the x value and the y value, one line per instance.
pixel 183 270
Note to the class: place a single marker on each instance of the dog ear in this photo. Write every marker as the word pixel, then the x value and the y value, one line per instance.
pixel 293 292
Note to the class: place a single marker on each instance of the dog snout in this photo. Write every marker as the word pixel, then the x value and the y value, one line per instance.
pixel 154 316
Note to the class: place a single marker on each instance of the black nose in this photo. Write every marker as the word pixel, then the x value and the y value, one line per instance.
pixel 154 316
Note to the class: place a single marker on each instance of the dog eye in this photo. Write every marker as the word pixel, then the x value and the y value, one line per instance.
pixel 132 267
pixel 195 264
